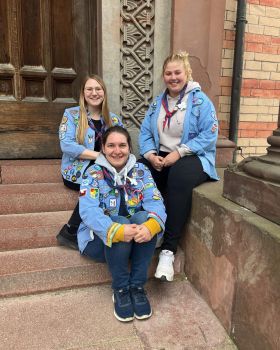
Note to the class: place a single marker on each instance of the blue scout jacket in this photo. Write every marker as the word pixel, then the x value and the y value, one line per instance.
pixel 200 129
pixel 72 168
pixel 99 200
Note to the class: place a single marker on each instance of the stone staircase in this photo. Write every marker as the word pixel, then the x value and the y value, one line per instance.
pixel 34 204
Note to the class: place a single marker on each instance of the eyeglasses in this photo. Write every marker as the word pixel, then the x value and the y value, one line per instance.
pixel 90 90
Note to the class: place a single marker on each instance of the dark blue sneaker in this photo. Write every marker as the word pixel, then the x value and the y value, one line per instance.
pixel 141 304
pixel 123 306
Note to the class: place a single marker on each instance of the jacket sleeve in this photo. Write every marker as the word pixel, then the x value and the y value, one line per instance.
pixel 207 129
pixel 67 135
pixel 146 136
pixel 91 212
pixel 152 201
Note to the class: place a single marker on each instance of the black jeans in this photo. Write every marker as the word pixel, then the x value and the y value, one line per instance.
pixel 176 184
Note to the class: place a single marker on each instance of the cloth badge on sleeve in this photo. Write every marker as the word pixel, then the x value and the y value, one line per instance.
pixel 156 194
pixel 85 182
pixel 149 185
pixel 63 128
pixel 90 138
pixel 214 127
pixel 83 192
pixel 94 193
pixel 214 115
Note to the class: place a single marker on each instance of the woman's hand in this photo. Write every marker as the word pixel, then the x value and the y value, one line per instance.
pixel 130 231
pixel 143 234
pixel 156 161
pixel 171 158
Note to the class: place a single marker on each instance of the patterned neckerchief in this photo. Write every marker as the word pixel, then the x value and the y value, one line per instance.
pixel 169 114
pixel 98 133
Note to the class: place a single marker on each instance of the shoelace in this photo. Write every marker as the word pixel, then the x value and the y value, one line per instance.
pixel 123 296
pixel 139 294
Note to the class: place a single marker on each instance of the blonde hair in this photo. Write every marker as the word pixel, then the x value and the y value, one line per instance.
pixel 181 56
pixel 83 120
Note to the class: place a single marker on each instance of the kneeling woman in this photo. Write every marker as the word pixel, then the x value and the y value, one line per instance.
pixel 122 215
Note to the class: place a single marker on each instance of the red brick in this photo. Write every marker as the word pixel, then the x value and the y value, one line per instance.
pixel 226 91
pixel 253 47
pixel 277 85
pixel 224 133
pixel 250 83
pixel 254 2
pixel 272 3
pixel 273 49
pixel 245 92
pixel 263 133
pixel 275 40
pixel 228 44
pixel 226 81
pixel 265 93
pixel 230 35
pixel 257 38
pixel 223 124
pixel 267 84
pixel 264 126
pixel 247 133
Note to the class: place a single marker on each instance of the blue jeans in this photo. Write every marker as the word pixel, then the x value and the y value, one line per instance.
pixel 118 256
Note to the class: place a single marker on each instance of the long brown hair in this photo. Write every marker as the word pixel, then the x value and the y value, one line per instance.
pixel 83 121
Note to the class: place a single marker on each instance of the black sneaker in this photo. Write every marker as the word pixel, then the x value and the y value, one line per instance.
pixel 123 307
pixel 67 238
pixel 141 304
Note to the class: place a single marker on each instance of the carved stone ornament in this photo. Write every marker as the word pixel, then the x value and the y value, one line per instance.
pixel 137 46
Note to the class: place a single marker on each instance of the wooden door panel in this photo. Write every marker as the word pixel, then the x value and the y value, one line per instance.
pixel 46 51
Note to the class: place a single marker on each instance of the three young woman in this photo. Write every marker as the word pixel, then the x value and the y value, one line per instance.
pixel 178 142
pixel 123 215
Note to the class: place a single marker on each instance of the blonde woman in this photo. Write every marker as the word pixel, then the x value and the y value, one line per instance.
pixel 178 142
pixel 80 135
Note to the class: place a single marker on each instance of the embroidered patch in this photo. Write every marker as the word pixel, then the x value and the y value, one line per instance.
pixel 114 120
pixel 140 173
pixel 94 193
pixel 214 127
pixel 73 178
pixel 214 115
pixel 197 101
pixel 113 202
pixel 74 112
pixel 132 202
pixel 63 128
pixel 149 185
pixel 90 138
pixel 156 194
pixel 85 182
pixel 62 135
pixel 83 192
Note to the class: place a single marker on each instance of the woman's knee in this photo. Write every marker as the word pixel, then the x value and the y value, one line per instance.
pixel 95 251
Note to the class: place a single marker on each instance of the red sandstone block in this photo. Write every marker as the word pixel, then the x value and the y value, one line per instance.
pixel 34 198
pixel 31 230
pixel 30 171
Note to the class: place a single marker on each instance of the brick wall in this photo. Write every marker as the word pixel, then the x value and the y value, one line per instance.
pixel 260 92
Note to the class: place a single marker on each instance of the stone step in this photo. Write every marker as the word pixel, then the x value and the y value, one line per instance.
pixel 34 198
pixel 30 171
pixel 31 230
pixel 32 271
pixel 83 319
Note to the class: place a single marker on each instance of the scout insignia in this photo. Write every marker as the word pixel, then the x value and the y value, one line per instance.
pixel 156 194
pixel 149 185
pixel 94 192
pixel 73 178
pixel 214 127
pixel 64 119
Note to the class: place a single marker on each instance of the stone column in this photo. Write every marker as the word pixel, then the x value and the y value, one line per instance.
pixel 254 183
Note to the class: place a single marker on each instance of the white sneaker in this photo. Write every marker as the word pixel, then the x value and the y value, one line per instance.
pixel 165 271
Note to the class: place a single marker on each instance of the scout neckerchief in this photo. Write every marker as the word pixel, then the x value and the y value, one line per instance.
pixel 169 114
pixel 98 133
pixel 122 190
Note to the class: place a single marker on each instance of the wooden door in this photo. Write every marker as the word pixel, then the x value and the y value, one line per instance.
pixel 46 48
